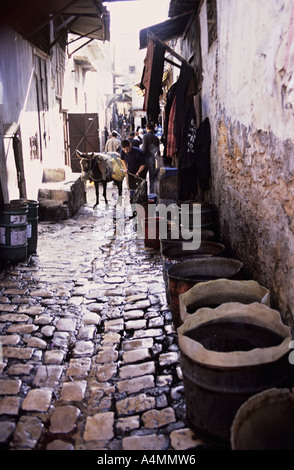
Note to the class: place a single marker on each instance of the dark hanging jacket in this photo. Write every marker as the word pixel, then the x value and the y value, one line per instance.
pixel 187 75
pixel 151 79
pixel 202 151
pixel 187 169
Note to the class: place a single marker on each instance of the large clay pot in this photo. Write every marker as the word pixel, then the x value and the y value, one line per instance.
pixel 227 355
pixel 214 293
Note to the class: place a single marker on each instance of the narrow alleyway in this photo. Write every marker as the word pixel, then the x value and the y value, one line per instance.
pixel 89 354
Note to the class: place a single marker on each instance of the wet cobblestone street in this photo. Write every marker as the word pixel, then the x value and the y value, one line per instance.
pixel 90 358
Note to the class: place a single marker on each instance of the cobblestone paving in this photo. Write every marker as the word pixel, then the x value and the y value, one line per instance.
pixel 89 354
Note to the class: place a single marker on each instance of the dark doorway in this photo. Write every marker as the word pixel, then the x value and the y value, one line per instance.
pixel 83 136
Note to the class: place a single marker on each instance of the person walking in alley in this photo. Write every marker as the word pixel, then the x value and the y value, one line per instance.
pixel 134 164
pixel 136 142
pixel 113 144
pixel 150 148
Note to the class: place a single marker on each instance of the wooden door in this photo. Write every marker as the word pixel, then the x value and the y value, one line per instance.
pixel 83 136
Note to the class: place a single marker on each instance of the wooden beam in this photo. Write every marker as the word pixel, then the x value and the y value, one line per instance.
pixel 171 51
pixel 51 17
pixel 90 40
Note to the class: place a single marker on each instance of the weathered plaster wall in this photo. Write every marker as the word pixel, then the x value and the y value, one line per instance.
pixel 248 95
pixel 19 105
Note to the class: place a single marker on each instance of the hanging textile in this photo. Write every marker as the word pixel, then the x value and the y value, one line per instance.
pixel 171 145
pixel 152 79
pixel 187 168
pixel 202 151
pixel 186 87
pixel 146 75
pixel 185 133
pixel 168 126
pixel 194 157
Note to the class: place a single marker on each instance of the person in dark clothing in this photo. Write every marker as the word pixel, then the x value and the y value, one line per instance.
pixel 134 164
pixel 131 137
pixel 137 141
pixel 150 148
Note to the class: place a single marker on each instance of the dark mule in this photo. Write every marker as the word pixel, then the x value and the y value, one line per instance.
pixel 102 168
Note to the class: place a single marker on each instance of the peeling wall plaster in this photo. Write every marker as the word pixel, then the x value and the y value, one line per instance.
pixel 248 95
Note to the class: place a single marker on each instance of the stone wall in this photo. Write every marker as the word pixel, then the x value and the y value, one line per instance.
pixel 253 189
pixel 247 93
pixel 251 111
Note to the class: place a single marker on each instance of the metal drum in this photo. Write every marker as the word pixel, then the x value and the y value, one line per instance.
pixel 184 275
pixel 32 218
pixel 13 232
pixel 229 354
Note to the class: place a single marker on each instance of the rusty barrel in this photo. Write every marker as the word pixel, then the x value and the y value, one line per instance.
pixel 227 355
pixel 175 253
pixel 184 275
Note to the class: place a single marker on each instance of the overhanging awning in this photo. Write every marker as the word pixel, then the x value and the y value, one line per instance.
pixel 166 30
pixel 177 7
pixel 85 18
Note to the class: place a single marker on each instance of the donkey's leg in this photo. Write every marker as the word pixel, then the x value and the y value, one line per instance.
pixel 118 184
pixel 96 184
pixel 104 184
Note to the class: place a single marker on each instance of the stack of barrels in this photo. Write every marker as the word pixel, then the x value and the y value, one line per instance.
pixel 18 229
pixel 234 347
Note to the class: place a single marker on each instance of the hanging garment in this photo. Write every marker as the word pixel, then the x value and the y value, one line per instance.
pixel 146 75
pixel 152 79
pixel 187 168
pixel 168 125
pixel 202 151
pixel 171 146
pixel 186 87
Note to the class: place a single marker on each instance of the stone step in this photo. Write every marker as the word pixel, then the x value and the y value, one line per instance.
pixel 60 200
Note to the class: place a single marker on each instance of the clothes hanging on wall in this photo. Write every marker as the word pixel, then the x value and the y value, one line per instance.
pixel 171 144
pixel 202 151
pixel 151 79
pixel 188 144
pixel 168 137
pixel 187 170
pixel 146 75
pixel 186 87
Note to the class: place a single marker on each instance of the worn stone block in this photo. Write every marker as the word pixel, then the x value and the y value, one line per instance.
pixel 99 427
pixel 37 400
